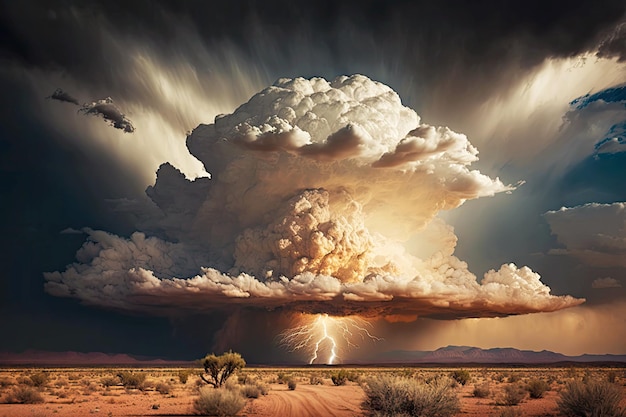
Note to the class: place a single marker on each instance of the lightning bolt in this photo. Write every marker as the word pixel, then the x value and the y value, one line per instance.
pixel 322 319
pixel 339 332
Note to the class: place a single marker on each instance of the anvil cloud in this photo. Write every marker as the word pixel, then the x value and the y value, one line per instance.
pixel 315 187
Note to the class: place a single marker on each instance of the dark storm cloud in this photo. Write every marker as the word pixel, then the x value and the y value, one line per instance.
pixel 439 40
pixel 614 45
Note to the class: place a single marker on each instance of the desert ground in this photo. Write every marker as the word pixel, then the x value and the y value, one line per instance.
pixel 284 392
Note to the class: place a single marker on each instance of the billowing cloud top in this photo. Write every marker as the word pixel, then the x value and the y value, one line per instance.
pixel 315 188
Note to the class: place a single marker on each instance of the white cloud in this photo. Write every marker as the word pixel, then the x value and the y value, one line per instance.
pixel 150 275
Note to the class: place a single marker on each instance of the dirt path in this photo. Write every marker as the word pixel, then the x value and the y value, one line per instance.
pixel 308 401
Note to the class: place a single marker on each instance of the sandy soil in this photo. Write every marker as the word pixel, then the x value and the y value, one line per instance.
pixel 483 407
pixel 79 392
pixel 344 401
pixel 308 401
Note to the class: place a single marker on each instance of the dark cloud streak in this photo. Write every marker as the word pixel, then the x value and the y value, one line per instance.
pixel 61 95
pixel 436 40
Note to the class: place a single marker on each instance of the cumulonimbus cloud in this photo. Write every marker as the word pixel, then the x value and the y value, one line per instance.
pixel 315 186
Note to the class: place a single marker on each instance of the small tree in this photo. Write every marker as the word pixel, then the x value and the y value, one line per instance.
pixel 217 369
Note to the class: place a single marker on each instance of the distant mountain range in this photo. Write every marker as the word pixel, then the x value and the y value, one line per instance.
pixel 35 357
pixel 467 354
pixel 444 355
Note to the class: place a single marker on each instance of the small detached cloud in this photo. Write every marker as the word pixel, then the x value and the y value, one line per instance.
pixel 71 231
pixel 106 109
pixel 607 282
pixel 315 187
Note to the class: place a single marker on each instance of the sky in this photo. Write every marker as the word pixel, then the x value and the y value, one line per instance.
pixel 185 177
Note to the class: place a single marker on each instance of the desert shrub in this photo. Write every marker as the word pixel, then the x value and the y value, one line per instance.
pixel 163 388
pixel 218 402
pixel 482 390
pixel 537 387
pixel 511 412
pixel 340 377
pixel 146 385
pixel 282 378
pixel 593 398
pixel 396 396
pixel 75 377
pixel 251 391
pixel 354 376
pixel 462 376
pixel 315 380
pixel 232 385
pixel 24 380
pixel 132 380
pixel 611 376
pixel 39 379
pixel 23 395
pixel 183 375
pixel 513 378
pixel 291 384
pixel 263 388
pixel 6 382
pixel 89 388
pixel 61 382
pixel 109 381
pixel 499 377
pixel 513 395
